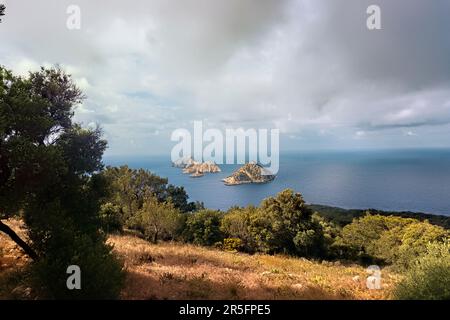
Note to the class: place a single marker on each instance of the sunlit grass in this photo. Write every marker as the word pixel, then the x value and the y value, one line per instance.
pixel 183 271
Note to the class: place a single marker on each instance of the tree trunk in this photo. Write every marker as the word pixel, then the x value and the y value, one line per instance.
pixel 155 235
pixel 14 237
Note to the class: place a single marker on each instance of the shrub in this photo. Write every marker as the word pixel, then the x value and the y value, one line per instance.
pixel 236 223
pixel 415 238
pixel 388 239
pixel 129 187
pixel 285 224
pixel 102 276
pixel 232 244
pixel 110 217
pixel 429 276
pixel 157 220
pixel 362 234
pixel 50 178
pixel 329 233
pixel 203 227
pixel 281 224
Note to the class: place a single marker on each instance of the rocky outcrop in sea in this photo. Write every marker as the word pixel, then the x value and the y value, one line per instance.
pixel 194 168
pixel 249 173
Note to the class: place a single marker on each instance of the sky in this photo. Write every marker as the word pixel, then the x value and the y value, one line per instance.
pixel 310 68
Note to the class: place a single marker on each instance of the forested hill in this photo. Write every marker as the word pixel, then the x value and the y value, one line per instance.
pixel 345 216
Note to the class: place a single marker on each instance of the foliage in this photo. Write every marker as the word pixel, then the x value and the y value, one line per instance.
pixel 281 224
pixel 342 217
pixel 392 240
pixel 203 227
pixel 329 233
pixel 101 272
pixel 128 188
pixel 285 224
pixel 158 220
pixel 236 223
pixel 232 244
pixel 110 217
pixel 50 177
pixel 429 276
pixel 359 239
pixel 415 238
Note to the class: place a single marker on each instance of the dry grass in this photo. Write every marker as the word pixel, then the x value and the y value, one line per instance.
pixel 11 256
pixel 181 271
pixel 12 264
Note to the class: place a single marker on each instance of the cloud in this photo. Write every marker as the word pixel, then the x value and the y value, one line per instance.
pixel 310 68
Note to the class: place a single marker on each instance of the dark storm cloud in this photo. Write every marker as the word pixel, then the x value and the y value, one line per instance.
pixel 413 47
pixel 308 67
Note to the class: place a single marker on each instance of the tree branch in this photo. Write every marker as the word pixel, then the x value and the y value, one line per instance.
pixel 14 237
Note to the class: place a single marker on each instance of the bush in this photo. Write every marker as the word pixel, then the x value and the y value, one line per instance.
pixel 157 220
pixel 101 272
pixel 388 239
pixel 236 223
pixel 232 244
pixel 285 224
pixel 50 178
pixel 129 187
pixel 329 233
pixel 281 224
pixel 203 227
pixel 110 217
pixel 414 241
pixel 429 276
pixel 362 234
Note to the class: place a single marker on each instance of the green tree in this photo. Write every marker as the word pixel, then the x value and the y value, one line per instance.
pixel 158 220
pixel 428 278
pixel 128 187
pixel 359 239
pixel 280 224
pixel 285 224
pixel 203 227
pixel 389 239
pixel 111 218
pixel 414 242
pixel 329 232
pixel 237 223
pixel 49 177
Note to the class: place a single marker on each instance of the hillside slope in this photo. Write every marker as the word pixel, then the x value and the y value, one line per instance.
pixel 182 271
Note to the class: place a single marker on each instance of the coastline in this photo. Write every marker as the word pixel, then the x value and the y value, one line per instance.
pixel 343 216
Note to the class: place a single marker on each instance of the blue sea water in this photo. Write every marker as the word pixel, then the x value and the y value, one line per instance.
pixel 412 180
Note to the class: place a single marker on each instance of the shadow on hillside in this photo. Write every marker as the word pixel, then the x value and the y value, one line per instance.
pixel 188 259
pixel 167 286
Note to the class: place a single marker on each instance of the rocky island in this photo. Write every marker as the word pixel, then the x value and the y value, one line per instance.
pixel 249 173
pixel 183 162
pixel 194 168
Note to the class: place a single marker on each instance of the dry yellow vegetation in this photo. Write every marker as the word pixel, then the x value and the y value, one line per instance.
pixel 184 271
pixel 11 256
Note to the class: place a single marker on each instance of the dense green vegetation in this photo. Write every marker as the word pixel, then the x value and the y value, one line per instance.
pixel 429 276
pixel 203 227
pixel 49 177
pixel 388 240
pixel 342 216
pixel 52 177
pixel 280 224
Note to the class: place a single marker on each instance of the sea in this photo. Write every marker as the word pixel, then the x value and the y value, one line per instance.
pixel 393 180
